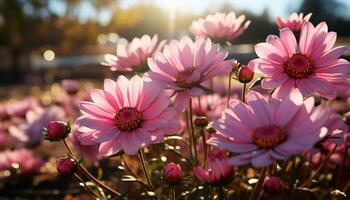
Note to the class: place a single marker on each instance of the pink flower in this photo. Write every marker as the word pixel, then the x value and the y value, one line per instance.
pixel 294 22
pixel 134 55
pixel 20 108
pixel 184 65
pixel 266 130
pixel 22 160
pixel 172 173
pixel 312 66
pixel 220 26
pixel 126 115
pixel 218 171
pixel 210 106
pixel 88 152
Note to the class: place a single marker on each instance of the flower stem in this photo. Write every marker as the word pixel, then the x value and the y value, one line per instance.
pixel 173 194
pixel 319 168
pixel 91 192
pixel 192 133
pixel 189 130
pixel 205 147
pixel 131 172
pixel 340 174
pixel 258 185
pixel 221 193
pixel 144 168
pixel 243 92
pixel 87 173
pixel 229 89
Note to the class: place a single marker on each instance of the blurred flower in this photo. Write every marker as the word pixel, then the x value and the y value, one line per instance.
pixel 134 55
pixel 30 130
pixel 312 66
pixel 70 86
pixel 265 130
pixel 245 74
pixel 294 22
pixel 126 115
pixel 184 65
pixel 22 160
pixel 66 166
pixel 88 152
pixel 273 185
pixel 218 171
pixel 210 106
pixel 172 173
pixel 57 130
pixel 20 108
pixel 220 27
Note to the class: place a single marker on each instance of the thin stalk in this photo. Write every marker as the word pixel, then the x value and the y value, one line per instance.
pixel 319 167
pixel 199 104
pixel 205 147
pixel 131 172
pixel 258 185
pixel 192 133
pixel 189 131
pixel 340 174
pixel 144 168
pixel 87 173
pixel 87 188
pixel 173 193
pixel 243 92
pixel 229 89
pixel 221 193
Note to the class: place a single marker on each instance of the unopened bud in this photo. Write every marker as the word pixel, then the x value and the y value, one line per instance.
pixel 66 166
pixel 245 74
pixel 57 130
pixel 172 173
pixel 273 185
pixel 201 121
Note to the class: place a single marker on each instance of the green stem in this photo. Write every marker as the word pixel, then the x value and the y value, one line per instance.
pixel 192 134
pixel 205 147
pixel 229 89
pixel 87 188
pixel 189 131
pixel 173 193
pixel 145 171
pixel 243 92
pixel 258 185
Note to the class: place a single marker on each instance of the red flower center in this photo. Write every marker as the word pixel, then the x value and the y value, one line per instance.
pixel 269 136
pixel 128 119
pixel 299 66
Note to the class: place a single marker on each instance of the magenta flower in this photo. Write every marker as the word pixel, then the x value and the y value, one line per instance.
pixel 266 130
pixel 172 173
pixel 218 171
pixel 184 65
pixel 220 26
pixel 312 66
pixel 134 55
pixel 294 22
pixel 22 160
pixel 126 115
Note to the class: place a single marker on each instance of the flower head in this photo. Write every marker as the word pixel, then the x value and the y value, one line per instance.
pixel 245 74
pixel 66 166
pixel 172 173
pixel 220 26
pixel 266 130
pixel 57 130
pixel 218 171
pixel 294 22
pixel 126 115
pixel 134 55
pixel 312 66
pixel 184 65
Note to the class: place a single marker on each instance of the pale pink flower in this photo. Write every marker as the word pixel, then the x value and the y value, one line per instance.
pixel 22 159
pixel 220 26
pixel 133 55
pixel 30 131
pixel 264 130
pixel 218 171
pixel 294 22
pixel 126 115
pixel 184 65
pixel 312 66
pixel 20 108
pixel 210 106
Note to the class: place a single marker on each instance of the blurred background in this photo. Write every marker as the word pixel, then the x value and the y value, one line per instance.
pixel 45 41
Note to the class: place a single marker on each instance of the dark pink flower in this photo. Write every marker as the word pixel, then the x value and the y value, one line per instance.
pixel 273 185
pixel 66 166
pixel 245 74
pixel 172 173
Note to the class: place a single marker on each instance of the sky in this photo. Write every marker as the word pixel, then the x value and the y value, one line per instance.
pixel 198 7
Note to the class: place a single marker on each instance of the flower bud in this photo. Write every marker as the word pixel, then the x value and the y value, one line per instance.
pixel 57 130
pixel 245 74
pixel 172 173
pixel 70 86
pixel 201 121
pixel 273 185
pixel 66 166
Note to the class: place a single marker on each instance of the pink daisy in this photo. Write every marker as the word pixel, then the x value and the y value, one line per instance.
pixel 218 171
pixel 184 65
pixel 134 55
pixel 220 26
pixel 126 115
pixel 266 130
pixel 294 22
pixel 312 66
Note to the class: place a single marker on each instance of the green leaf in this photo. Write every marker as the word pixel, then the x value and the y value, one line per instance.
pixel 257 82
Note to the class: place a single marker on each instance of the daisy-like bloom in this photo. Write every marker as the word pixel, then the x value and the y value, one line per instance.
pixel 220 26
pixel 21 160
pixel 218 171
pixel 184 65
pixel 312 66
pixel 132 56
pixel 126 115
pixel 266 129
pixel 294 22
